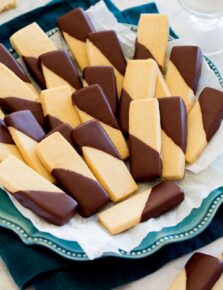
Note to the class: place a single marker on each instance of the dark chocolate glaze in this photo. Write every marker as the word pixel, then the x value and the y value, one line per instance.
pixel 76 23
pixel 35 71
pixel 211 104
pixel 14 104
pixel 124 105
pixel 108 43
pixel 103 76
pixel 25 122
pixel 59 62
pixel 5 136
pixel 188 61
pixel 89 194
pixel 8 60
pixel 163 197
pixel 52 122
pixel 202 272
pixel 65 130
pixel 55 207
pixel 145 162
pixel 173 116
pixel 92 100
pixel 93 135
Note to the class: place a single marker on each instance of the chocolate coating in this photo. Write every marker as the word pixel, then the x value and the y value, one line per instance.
pixel 89 194
pixel 14 104
pixel 76 23
pixel 124 105
pixel 163 197
pixel 92 100
pixel 211 104
pixel 5 136
pixel 59 62
pixel 188 61
pixel 173 116
pixel 145 162
pixel 93 135
pixel 202 272
pixel 108 43
pixel 55 207
pixel 8 60
pixel 103 76
pixel 34 69
pixel 25 122
pixel 65 130
pixel 52 122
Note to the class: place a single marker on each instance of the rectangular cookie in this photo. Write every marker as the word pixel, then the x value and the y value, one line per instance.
pixel 145 139
pixel 72 173
pixel 91 103
pixel 204 120
pixel 103 76
pixel 58 108
pixel 104 160
pixel 75 27
pixel 30 42
pixel 103 48
pixel 141 207
pixel 59 69
pixel 161 88
pixel 35 192
pixel 139 83
pixel 173 116
pixel 27 133
pixel 201 272
pixel 65 130
pixel 183 73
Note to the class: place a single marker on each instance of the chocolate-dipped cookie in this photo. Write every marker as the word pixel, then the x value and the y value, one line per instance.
pixel 183 73
pixel 139 83
pixel 91 103
pixel 30 42
pixel 59 69
pixel 71 172
pixel 75 27
pixel 173 116
pixel 103 48
pixel 58 108
pixel 65 130
pixel 104 160
pixel 103 76
pixel 204 120
pixel 35 192
pixel 141 207
pixel 145 139
pixel 26 133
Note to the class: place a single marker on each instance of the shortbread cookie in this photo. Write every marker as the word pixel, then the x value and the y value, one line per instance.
pixel 201 272
pixel 7 5
pixel 184 72
pixel 204 120
pixel 26 133
pixel 103 76
pixel 35 192
pixel 161 88
pixel 139 83
pixel 7 145
pixel 103 48
pixel 59 69
pixel 30 42
pixel 141 207
pixel 104 160
pixel 58 108
pixel 75 27
pixel 152 38
pixel 71 172
pixel 145 139
pixel 91 103
pixel 173 116
pixel 65 130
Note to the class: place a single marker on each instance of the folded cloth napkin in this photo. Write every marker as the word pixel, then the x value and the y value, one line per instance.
pixel 40 267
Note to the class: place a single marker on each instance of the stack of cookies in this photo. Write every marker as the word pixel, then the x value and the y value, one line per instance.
pixel 65 135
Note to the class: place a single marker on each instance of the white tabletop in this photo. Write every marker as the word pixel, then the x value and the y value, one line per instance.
pixel 161 279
